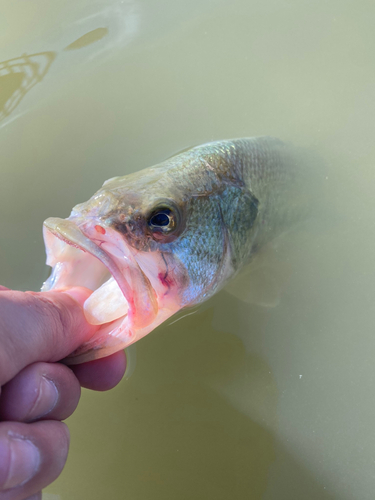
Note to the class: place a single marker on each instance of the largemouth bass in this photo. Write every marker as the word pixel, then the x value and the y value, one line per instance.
pixel 168 237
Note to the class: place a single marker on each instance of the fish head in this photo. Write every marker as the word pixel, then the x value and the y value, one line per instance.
pixel 147 245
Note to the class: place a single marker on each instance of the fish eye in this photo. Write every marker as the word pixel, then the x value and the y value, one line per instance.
pixel 162 221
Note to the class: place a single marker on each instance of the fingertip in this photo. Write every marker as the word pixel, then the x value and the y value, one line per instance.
pixel 33 455
pixel 101 374
pixel 48 391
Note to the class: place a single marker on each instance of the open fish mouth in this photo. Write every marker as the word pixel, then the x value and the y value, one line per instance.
pixel 123 302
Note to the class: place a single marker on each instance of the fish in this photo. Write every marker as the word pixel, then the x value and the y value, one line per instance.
pixel 170 236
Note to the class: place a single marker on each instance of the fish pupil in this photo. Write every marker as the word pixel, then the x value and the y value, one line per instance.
pixel 160 219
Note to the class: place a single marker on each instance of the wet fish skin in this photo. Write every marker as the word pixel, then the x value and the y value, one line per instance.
pixel 232 196
pixel 173 234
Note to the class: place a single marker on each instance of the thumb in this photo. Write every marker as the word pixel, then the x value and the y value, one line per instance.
pixel 40 326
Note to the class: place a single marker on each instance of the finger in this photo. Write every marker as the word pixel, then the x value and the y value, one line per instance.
pixel 101 374
pixel 40 327
pixel 31 457
pixel 40 391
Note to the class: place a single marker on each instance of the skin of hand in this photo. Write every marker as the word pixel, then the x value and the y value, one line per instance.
pixel 37 392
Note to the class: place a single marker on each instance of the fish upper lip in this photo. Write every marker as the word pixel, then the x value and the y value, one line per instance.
pixel 133 283
pixel 71 234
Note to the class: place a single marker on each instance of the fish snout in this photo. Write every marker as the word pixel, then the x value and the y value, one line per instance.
pixel 100 205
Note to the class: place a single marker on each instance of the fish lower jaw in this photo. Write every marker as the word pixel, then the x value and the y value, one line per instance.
pixel 113 337
pixel 110 338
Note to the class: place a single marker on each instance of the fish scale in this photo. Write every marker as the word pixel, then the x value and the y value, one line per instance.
pixel 173 234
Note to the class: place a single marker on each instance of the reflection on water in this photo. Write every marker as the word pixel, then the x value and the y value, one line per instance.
pixel 18 76
pixel 121 21
pixel 88 39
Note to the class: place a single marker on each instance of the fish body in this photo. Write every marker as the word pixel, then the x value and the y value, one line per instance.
pixel 170 236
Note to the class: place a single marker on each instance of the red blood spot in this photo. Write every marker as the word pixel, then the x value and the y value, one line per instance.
pixel 165 280
pixel 100 229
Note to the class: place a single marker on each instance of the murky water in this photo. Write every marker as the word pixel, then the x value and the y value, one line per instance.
pixel 235 401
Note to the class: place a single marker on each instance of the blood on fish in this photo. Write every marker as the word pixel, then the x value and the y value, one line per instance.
pixel 100 229
pixel 164 280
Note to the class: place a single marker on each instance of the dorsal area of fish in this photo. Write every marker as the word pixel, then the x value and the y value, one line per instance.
pixel 256 180
pixel 207 168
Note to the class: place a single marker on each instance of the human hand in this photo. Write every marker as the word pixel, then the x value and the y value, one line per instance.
pixel 36 331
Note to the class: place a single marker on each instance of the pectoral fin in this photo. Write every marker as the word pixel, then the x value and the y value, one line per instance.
pixel 256 286
pixel 263 280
